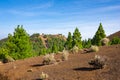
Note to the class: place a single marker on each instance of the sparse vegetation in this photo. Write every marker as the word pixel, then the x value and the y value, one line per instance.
pixel 115 40
pixel 98 62
pixel 65 55
pixel 75 49
pixel 105 41
pixel 43 76
pixel 44 44
pixel 49 59
pixel 94 48
pixel 63 40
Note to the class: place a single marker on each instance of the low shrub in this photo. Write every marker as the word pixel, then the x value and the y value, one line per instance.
pixel 65 55
pixel 94 49
pixel 49 59
pixel 98 62
pixel 115 40
pixel 105 41
pixel 75 49
pixel 43 76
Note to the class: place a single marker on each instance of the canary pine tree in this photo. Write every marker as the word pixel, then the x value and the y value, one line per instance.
pixel 68 44
pixel 77 39
pixel 100 34
pixel 19 45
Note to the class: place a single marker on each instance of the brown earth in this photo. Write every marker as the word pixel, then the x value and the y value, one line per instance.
pixel 75 68
pixel 116 34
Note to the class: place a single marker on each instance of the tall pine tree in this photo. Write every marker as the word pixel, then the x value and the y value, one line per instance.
pixel 19 45
pixel 100 34
pixel 77 39
pixel 68 44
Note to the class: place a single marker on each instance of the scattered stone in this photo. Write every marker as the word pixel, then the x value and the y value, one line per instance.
pixel 29 70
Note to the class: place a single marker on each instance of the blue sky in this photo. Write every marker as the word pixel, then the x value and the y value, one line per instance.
pixel 59 16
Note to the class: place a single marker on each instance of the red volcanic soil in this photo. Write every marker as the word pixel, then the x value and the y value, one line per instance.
pixel 116 34
pixel 75 68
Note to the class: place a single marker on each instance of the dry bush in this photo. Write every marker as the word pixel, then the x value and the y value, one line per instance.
pixel 98 62
pixel 43 76
pixel 49 59
pixel 65 55
pixel 105 41
pixel 75 49
pixel 94 49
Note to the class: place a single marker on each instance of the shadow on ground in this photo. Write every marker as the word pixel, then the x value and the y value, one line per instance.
pixel 37 65
pixel 38 79
pixel 84 69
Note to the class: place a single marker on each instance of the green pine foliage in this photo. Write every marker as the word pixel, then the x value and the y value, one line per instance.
pixel 74 40
pixel 55 44
pixel 54 48
pixel 115 40
pixel 18 44
pixel 68 43
pixel 3 53
pixel 86 43
pixel 2 42
pixel 43 44
pixel 38 46
pixel 100 34
pixel 77 39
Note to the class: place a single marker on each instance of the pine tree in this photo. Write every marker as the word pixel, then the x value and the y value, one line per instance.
pixel 86 43
pixel 100 34
pixel 77 39
pixel 19 44
pixel 54 48
pixel 68 44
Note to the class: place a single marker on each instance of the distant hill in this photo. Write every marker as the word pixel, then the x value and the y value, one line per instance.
pixel 116 34
pixel 2 41
pixel 43 37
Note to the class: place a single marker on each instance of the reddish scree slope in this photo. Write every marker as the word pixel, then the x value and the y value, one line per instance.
pixel 76 68
pixel 116 34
